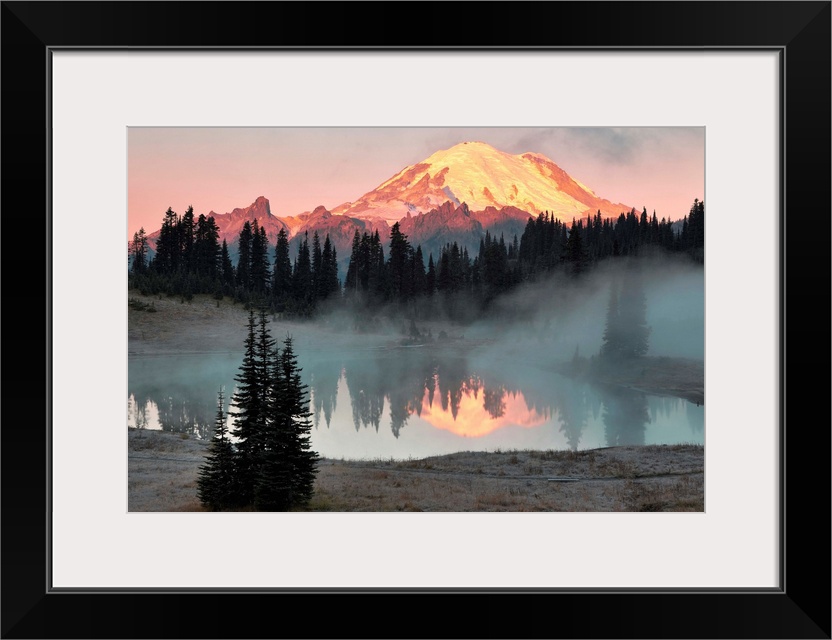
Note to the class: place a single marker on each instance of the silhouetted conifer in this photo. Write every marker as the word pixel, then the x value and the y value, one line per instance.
pixel 282 276
pixel 216 483
pixel 249 413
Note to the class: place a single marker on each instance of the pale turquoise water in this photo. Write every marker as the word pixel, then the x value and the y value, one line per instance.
pixel 410 402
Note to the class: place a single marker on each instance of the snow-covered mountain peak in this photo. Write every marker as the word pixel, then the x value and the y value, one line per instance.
pixel 482 176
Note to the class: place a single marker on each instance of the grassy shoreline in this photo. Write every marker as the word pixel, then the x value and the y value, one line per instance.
pixel 162 467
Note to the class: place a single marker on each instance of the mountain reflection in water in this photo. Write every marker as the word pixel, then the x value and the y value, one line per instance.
pixel 403 403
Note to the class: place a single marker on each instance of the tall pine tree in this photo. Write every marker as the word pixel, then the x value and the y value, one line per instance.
pixel 249 412
pixel 282 276
pixel 295 426
pixel 166 260
pixel 260 271
pixel 138 251
pixel 329 284
pixel 216 484
pixel 226 269
pixel 275 465
pixel 244 259
pixel 302 276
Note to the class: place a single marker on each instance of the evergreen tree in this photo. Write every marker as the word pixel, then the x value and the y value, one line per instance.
pixel 273 464
pixel 296 425
pixel 444 280
pixel 302 274
pixel 265 348
pixel 456 268
pixel 329 267
pixel 207 248
pixel 493 265
pixel 274 480
pixel 286 473
pixel 260 273
pixel 138 251
pixel 317 268
pixel 626 333
pixel 696 231
pixel 226 268
pixel 249 414
pixel 430 277
pixel 643 228
pixel 397 264
pixel 244 258
pixel 574 252
pixel 654 229
pixel 282 278
pixel 352 278
pixel 166 260
pixel 376 267
pixel 216 484
pixel 611 345
pixel 684 235
pixel 186 240
pixel 418 276
pixel 632 311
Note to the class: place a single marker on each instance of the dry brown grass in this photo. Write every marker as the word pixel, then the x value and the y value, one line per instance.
pixel 163 470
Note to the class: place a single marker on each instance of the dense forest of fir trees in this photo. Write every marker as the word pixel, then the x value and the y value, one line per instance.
pixel 189 259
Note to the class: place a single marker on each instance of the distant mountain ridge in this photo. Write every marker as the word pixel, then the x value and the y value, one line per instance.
pixel 455 195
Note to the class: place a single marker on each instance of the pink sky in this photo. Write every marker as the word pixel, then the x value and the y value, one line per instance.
pixel 298 169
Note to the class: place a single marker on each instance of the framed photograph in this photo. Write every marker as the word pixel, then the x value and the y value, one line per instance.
pixel 479 332
pixel 93 85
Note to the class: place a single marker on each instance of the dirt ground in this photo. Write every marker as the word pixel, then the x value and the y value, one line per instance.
pixel 162 467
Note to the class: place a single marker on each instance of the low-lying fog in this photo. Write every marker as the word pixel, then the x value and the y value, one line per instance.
pixel 387 392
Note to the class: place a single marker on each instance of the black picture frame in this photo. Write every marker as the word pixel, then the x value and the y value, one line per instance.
pixel 800 608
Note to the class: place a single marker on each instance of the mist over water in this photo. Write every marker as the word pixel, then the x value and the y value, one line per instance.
pixel 566 315
pixel 493 384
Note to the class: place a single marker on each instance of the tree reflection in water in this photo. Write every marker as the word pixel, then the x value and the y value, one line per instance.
pixel 625 416
pixel 386 388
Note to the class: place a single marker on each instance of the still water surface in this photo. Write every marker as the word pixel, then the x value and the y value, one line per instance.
pixel 410 403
